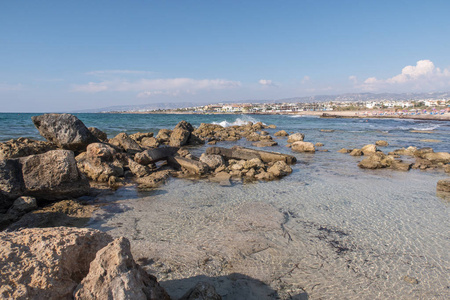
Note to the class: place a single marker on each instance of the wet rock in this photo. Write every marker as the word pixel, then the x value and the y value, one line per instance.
pixel 281 133
pixel 369 149
pixel 125 142
pixel 319 144
pixel 381 143
pixel 154 155
pixel 46 263
pixel 327 130
pixel 376 161
pixel 24 147
pixel 139 136
pixel 422 164
pixel 265 144
pixel 344 150
pixel 447 168
pixel 279 169
pixel 51 176
pixel 114 274
pixel 213 161
pixel 272 126
pixel 201 291
pixel 443 185
pixel 437 157
pixel 356 152
pixel 400 165
pixel 303 147
pixel 263 175
pixel 64 130
pixel 422 151
pixel 431 141
pixel 296 137
pixel 100 135
pixel 253 137
pixel 408 151
pixel 258 126
pixel 223 178
pixel 253 163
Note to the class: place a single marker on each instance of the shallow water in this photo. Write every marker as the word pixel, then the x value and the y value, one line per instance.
pixel 328 230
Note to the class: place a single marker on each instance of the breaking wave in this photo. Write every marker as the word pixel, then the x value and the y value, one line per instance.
pixel 239 121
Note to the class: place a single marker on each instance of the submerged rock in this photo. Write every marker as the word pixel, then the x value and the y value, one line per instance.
pixel 64 130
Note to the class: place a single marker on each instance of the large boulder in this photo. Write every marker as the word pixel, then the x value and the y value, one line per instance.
pixel 100 135
pixel 125 142
pixel 46 263
pixel 296 137
pixel 212 160
pixel 376 161
pixel 114 274
pixel 437 157
pixel 303 147
pixel 24 147
pixel 279 169
pixel 369 149
pixel 64 130
pixel 180 134
pixel 53 175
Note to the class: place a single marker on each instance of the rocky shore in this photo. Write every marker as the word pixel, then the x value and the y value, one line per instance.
pixel 45 184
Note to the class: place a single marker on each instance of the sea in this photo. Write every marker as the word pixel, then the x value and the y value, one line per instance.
pixel 329 230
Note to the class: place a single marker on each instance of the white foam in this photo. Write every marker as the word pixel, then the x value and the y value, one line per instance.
pixel 244 120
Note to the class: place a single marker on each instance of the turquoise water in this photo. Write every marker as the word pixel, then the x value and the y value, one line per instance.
pixel 329 230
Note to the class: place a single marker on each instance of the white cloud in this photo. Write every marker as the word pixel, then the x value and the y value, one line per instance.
pixel 305 79
pixel 423 76
pixel 5 87
pixel 353 79
pixel 266 82
pixel 150 87
pixel 118 72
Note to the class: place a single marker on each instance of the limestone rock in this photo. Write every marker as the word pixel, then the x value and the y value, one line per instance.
pixel 376 161
pixel 46 263
pixel 125 142
pixel 114 274
pixel 443 185
pixel 447 168
pixel 153 180
pixel 153 155
pixel 149 142
pixel 179 137
pixel 201 291
pixel 381 143
pixel 138 169
pixel 279 169
pixel 213 161
pixel 192 166
pixel 163 136
pixel 100 135
pixel 319 144
pixel 23 147
pixel 344 150
pixel 253 137
pixel 140 136
pixel 422 151
pixel 369 149
pixel 101 152
pixel 223 178
pixel 356 152
pixel 296 137
pixel 303 147
pixel 100 162
pixel 265 144
pixel 64 130
pixel 437 157
pixel 253 163
pixel 281 133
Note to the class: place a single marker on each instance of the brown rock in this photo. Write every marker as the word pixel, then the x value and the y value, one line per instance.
pixel 46 263
pixel 443 185
pixel 154 155
pixel 303 147
pixel 344 150
pixel 422 151
pixel 223 178
pixel 319 144
pixel 279 169
pixel 100 135
pixel 125 142
pixel 193 166
pixel 164 136
pixel 138 169
pixel 296 137
pixel 381 143
pixel 356 152
pixel 265 144
pixel 213 161
pixel 24 147
pixel 139 136
pixel 100 162
pixel 253 137
pixel 201 291
pixel 149 142
pixel 369 149
pixel 437 157
pixel 153 180
pixel 281 133
pixel 114 274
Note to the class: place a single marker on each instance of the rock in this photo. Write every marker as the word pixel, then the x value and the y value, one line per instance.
pixel 23 147
pixel 64 130
pixel 376 161
pixel 223 178
pixel 319 144
pixel 265 144
pixel 443 185
pixel 164 136
pixel 100 162
pixel 408 151
pixel 400 166
pixel 369 149
pixel 381 143
pixel 179 137
pixel 100 135
pixel 422 151
pixel 149 142
pixel 411 280
pixel 154 155
pixel 264 133
pixel 447 168
pixel 213 161
pixel 303 147
pixel 185 125
pixel 272 126
pixel 237 152
pixel 422 164
pixel 264 176
pixel 193 166
pixel 437 157
pixel 46 263
pixel 51 176
pixel 296 137
pixel 21 206
pixel 139 136
pixel 344 150
pixel 237 166
pixel 356 152
pixel 281 133
pixel 279 168
pixel 138 169
pixel 125 142
pixel 153 180
pixel 431 141
pixel 258 126
pixel 327 130
pixel 101 152
pixel 201 291
pixel 114 274
pixel 253 137
pixel 253 163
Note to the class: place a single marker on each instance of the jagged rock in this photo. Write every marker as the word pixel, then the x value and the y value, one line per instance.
pixel 154 155
pixel 163 136
pixel 21 206
pixel 303 147
pixel 101 152
pixel 344 150
pixel 138 169
pixel 381 143
pixel 213 161
pixel 114 274
pixel 139 136
pixel 253 163
pixel 400 166
pixel 265 144
pixel 100 135
pixel 46 263
pixel 437 157
pixel 179 137
pixel 422 164
pixel 193 166
pixel 201 291
pixel 64 130
pixel 23 147
pixel 258 126
pixel 153 180
pixel 281 133
pixel 125 142
pixel 376 161
pixel 51 176
pixel 408 151
pixel 100 162
pixel 272 126
pixel 253 137
pixel 264 176
pixel 422 151
pixel 296 137
pixel 356 152
pixel 279 168
pixel 149 142
pixel 369 149
pixel 237 152
pixel 443 185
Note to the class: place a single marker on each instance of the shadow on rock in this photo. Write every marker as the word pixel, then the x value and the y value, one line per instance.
pixel 233 286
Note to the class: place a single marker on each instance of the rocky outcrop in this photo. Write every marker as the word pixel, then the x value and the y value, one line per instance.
pixel 437 157
pixel 296 137
pixel 180 134
pixel 46 263
pixel 114 274
pixel 279 169
pixel 303 147
pixel 24 147
pixel 51 176
pixel 125 142
pixel 64 130
pixel 100 135
pixel 138 169
pixel 369 149
pixel 20 206
pixel 153 180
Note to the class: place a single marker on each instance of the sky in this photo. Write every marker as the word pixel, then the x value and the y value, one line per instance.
pixel 61 56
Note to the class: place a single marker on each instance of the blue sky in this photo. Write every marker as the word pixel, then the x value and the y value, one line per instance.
pixel 69 55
